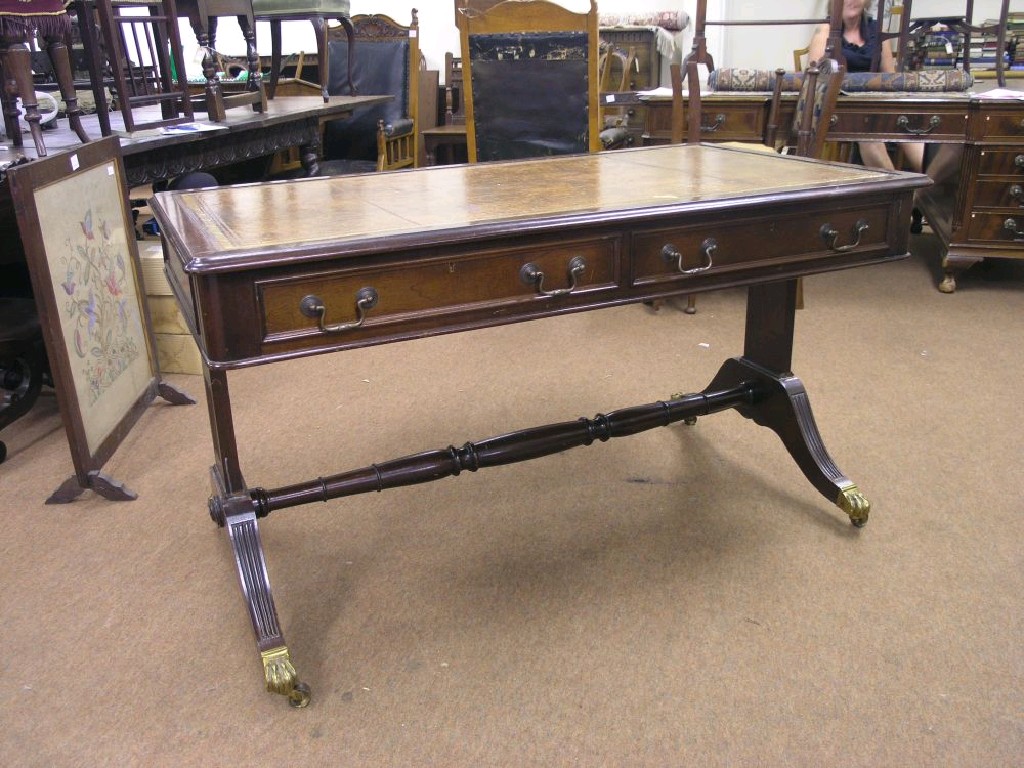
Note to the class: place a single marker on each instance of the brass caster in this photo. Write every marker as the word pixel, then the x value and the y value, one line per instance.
pixel 854 504
pixel 281 677
pixel 299 696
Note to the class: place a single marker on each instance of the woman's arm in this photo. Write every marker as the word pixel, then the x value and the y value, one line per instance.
pixel 887 63
pixel 816 48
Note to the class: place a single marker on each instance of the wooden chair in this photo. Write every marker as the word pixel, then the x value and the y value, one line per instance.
pixel 531 79
pixel 385 136
pixel 48 20
pixel 143 48
pixel 318 13
pixel 616 68
pixel 454 94
pixel 203 16
pixel 800 61
pixel 815 106
pixel 964 24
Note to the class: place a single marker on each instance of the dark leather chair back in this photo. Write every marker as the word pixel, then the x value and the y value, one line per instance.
pixel 386 61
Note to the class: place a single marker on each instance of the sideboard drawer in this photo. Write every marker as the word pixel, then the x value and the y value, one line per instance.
pixel 1000 194
pixel 1008 162
pixel 902 124
pixel 435 287
pixel 728 247
pixel 1003 126
pixel 997 228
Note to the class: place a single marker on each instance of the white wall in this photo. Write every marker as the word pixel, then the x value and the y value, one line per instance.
pixel 757 47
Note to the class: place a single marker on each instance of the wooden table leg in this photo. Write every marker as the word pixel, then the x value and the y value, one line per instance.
pixel 232 507
pixel 239 518
pixel 780 402
pixel 218 401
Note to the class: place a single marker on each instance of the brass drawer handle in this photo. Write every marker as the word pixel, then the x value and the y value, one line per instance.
pixel 532 275
pixel 313 306
pixel 830 233
pixel 903 122
pixel 1011 226
pixel 1017 192
pixel 670 253
pixel 719 122
pixel 1019 161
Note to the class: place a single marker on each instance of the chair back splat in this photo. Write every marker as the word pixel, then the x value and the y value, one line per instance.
pixel 530 78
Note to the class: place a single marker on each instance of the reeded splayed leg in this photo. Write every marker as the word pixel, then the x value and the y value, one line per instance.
pixel 781 402
pixel 240 519
pixel 231 507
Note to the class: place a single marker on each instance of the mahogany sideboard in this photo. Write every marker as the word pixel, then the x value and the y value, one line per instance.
pixel 269 272
pixel 978 213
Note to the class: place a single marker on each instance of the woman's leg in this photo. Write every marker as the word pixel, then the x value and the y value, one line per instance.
pixel 873 154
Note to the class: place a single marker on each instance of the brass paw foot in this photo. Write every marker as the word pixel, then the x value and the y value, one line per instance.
pixel 282 678
pixel 854 503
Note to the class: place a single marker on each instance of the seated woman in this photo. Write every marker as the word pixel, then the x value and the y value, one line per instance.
pixel 861 40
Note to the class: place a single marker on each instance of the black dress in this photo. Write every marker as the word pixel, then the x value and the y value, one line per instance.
pixel 859 58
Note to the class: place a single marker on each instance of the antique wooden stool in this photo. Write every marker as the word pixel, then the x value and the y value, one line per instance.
pixel 21 21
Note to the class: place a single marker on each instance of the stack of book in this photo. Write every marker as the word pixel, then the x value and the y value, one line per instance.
pixel 984 47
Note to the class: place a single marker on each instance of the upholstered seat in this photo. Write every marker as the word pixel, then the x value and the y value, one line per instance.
pixel 318 13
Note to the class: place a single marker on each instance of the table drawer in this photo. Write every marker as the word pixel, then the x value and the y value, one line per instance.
pixel 1003 126
pixel 727 247
pixel 996 228
pixel 1008 162
pixel 1000 194
pixel 487 280
pixel 903 124
pixel 730 122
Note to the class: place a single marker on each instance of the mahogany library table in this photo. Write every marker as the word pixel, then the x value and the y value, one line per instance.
pixel 268 272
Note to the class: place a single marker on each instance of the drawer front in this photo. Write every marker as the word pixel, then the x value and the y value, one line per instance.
pixel 1008 162
pixel 1004 126
pixel 905 124
pixel 780 239
pixel 419 291
pixel 1000 194
pixel 997 228
pixel 729 122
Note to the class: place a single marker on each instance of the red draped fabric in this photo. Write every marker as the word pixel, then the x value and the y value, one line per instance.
pixel 21 18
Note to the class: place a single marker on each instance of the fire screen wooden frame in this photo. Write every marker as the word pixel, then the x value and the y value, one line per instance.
pixel 76 227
